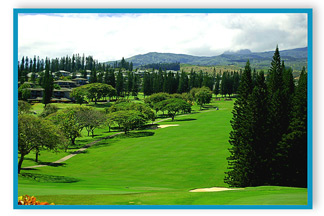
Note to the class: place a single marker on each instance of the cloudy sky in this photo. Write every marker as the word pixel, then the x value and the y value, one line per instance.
pixel 113 36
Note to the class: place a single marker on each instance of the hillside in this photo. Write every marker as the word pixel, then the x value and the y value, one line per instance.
pixel 294 58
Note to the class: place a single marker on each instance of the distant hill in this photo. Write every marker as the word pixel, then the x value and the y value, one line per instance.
pixel 294 58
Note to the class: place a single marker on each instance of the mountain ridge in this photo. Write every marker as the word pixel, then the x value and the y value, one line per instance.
pixel 294 58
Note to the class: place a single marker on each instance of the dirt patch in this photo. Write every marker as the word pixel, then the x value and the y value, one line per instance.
pixel 214 189
pixel 164 126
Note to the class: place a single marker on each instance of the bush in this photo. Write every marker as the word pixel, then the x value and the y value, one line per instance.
pixel 48 110
pixel 23 107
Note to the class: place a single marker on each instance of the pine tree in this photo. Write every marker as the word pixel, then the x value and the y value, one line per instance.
pixel 73 68
pixel 257 116
pixel 131 66
pixel 106 77
pixel 47 84
pixel 183 83
pixel 156 84
pixel 293 147
pixel 224 84
pixel 26 65
pixel 129 84
pixel 34 64
pixel 200 79
pixel 239 136
pixel 22 70
pixel 38 69
pixel 217 83
pixel 100 77
pixel 112 79
pixel 278 117
pixel 160 80
pixel 135 86
pixel 93 76
pixel 146 84
pixel 165 82
pixel 236 82
pixel 120 83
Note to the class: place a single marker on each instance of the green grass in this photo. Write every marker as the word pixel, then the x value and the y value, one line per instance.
pixel 154 167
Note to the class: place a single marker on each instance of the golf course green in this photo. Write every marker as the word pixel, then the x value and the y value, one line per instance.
pixel 151 167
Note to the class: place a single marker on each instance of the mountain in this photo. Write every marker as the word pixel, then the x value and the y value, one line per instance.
pixel 239 52
pixel 294 58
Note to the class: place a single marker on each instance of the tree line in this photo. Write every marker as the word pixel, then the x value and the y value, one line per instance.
pixel 164 66
pixel 76 63
pixel 225 83
pixel 269 129
pixel 123 79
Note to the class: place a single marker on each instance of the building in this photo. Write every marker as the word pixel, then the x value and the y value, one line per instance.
pixel 80 81
pixel 62 95
pixel 63 73
pixel 36 94
pixel 65 83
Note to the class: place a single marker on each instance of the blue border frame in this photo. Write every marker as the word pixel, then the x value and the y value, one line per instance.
pixel 307 11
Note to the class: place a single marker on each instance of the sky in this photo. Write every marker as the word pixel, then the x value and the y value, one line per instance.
pixel 110 37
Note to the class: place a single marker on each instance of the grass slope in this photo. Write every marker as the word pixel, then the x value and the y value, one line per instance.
pixel 154 167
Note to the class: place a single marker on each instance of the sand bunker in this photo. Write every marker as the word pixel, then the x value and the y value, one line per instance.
pixel 164 126
pixel 214 189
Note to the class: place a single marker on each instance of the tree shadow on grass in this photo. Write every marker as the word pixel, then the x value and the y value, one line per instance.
pixel 48 178
pixel 100 105
pixel 80 144
pixel 134 134
pixel 208 107
pixel 40 162
pixel 80 152
pixel 186 119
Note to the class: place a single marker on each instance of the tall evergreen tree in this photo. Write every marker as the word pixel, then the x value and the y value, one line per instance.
pixel 156 84
pixel 93 75
pixel 183 83
pixel 34 64
pixel 100 77
pixel 120 83
pixel 38 69
pixel 278 116
pixel 135 86
pixel 217 84
pixel 238 160
pixel 160 80
pixel 26 65
pixel 47 84
pixel 129 84
pixel 258 130
pixel 165 81
pixel 111 79
pixel 293 147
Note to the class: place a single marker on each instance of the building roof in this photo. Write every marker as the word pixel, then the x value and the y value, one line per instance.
pixel 79 79
pixel 63 90
pixel 63 71
pixel 64 81
pixel 61 99
pixel 35 89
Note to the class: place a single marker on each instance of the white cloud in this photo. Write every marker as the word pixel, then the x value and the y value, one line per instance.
pixel 112 36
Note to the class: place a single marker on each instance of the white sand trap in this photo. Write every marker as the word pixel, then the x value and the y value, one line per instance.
pixel 164 126
pixel 214 189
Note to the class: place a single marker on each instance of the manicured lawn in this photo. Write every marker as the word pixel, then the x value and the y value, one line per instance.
pixel 154 167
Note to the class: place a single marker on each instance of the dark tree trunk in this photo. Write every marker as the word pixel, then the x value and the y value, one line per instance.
pixel 20 162
pixel 37 154
pixel 73 141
